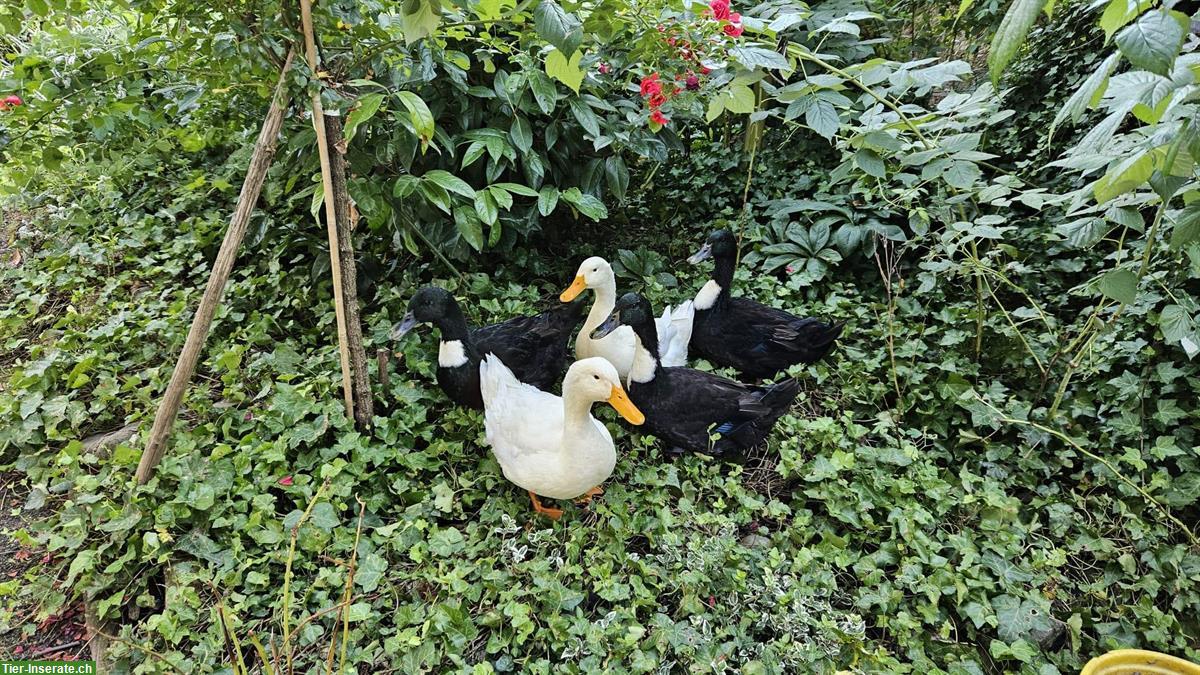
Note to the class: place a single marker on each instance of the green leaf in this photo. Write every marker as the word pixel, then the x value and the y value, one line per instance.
pixel 1154 40
pixel 556 26
pixel 370 572
pixel 1120 12
pixel 739 99
pixel 963 6
pixel 1176 323
pixel 517 189
pixel 759 57
pixel 547 200
pixel 324 516
pixel 618 176
pixel 1128 175
pixel 961 174
pixel 447 541
pixel 1088 94
pixel 870 162
pixel 365 109
pixel 521 134
pixel 469 227
pixel 544 91
pixel 587 204
pixel 419 19
pixel 1119 284
pixel 586 118
pixel 422 119
pixel 450 182
pixel 716 106
pixel 823 118
pixel 436 195
pixel 567 72
pixel 473 153
pixel 1011 34
pixel 485 207
pixel 1187 226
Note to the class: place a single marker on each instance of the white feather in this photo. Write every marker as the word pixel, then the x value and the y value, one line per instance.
pixel 540 445
pixel 707 297
pixel 674 329
pixel 451 354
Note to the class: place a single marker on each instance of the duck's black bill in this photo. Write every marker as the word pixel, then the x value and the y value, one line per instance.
pixel 704 253
pixel 610 324
pixel 406 324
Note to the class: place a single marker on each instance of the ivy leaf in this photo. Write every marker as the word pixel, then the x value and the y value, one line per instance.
pixel 447 541
pixel 823 118
pixel 365 109
pixel 324 517
pixel 370 571
pixel 557 27
pixel 1119 284
pixel 1014 28
pixel 567 72
pixel 1175 322
pixel 450 182
pixel 1153 41
pixel 1019 619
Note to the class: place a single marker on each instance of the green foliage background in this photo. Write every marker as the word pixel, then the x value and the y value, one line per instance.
pixel 996 471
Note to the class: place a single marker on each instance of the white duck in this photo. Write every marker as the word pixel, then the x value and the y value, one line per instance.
pixel 548 445
pixel 674 327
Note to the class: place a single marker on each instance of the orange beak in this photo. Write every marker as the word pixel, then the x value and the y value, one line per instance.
pixel 574 289
pixel 619 400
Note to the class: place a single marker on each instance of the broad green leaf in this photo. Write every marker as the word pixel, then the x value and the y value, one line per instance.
pixel 473 153
pixel 870 162
pixel 584 115
pixel 587 204
pixel 1022 619
pixel 1187 226
pixel 739 99
pixel 618 176
pixel 436 195
pixel 420 18
pixel 1119 284
pixel 422 119
pixel 759 57
pixel 961 174
pixel 517 189
pixel 1126 176
pixel 365 109
pixel 823 118
pixel 469 227
pixel 567 72
pixel 1152 42
pixel 450 182
pixel 521 134
pixel 1176 323
pixel 1089 93
pixel 502 198
pixel 716 106
pixel 1011 34
pixel 963 6
pixel 544 91
pixel 547 200
pixel 556 26
pixel 1120 12
pixel 324 516
pixel 485 207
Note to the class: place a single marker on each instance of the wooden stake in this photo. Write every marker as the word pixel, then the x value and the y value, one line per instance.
pixel 318 115
pixel 264 152
pixel 381 360
pixel 360 376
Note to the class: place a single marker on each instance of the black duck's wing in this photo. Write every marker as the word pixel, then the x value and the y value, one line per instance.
pixel 533 346
pixel 776 331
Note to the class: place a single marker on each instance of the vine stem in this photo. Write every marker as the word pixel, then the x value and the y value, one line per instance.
pixel 287 573
pixel 1122 477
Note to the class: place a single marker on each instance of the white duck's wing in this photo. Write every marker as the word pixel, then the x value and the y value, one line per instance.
pixel 520 419
pixel 674 333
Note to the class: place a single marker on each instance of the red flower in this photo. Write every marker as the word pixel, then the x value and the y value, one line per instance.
pixel 651 85
pixel 604 68
pixel 14 101
pixel 671 41
pixel 791 270
pixel 656 101
pixel 719 9
pixel 693 83
pixel 734 29
pixel 285 481
pixel 658 118
pixel 704 70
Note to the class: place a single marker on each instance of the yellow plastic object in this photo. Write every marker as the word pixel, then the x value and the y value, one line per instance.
pixel 1139 662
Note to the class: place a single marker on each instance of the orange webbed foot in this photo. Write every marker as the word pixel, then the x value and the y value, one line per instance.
pixel 587 497
pixel 551 513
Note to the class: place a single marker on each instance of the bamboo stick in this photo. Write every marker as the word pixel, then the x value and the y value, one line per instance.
pixel 264 152
pixel 335 263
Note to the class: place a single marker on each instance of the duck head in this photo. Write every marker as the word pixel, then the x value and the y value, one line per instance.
pixel 596 380
pixel 720 244
pixel 428 305
pixel 592 273
pixel 631 310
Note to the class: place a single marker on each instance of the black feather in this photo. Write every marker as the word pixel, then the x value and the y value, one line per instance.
pixel 756 340
pixel 534 347
pixel 687 407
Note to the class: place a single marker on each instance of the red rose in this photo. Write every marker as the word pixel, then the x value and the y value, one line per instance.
pixel 693 83
pixel 658 118
pixel 14 101
pixel 285 481
pixel 657 100
pixel 719 9
pixel 651 85
pixel 734 29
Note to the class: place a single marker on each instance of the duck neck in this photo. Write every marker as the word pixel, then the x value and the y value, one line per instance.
pixel 723 272
pixel 577 419
pixel 602 306
pixel 455 348
pixel 645 357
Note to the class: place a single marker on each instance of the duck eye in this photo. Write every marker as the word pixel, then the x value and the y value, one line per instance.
pixel 595 377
